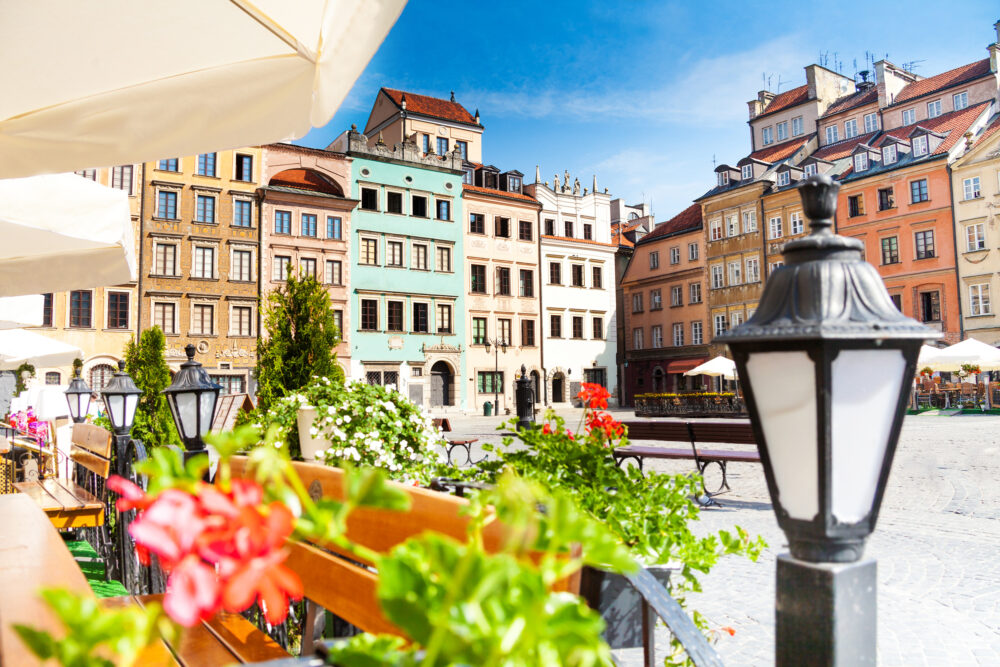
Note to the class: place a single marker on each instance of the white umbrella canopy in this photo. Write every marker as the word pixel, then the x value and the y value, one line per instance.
pixel 117 82
pixel 716 367
pixel 21 311
pixel 61 232
pixel 969 351
pixel 928 354
pixel 18 346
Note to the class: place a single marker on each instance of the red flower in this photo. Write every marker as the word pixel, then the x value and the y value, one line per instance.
pixel 729 630
pixel 605 424
pixel 169 526
pixel 193 592
pixel 546 430
pixel 266 579
pixel 570 434
pixel 130 495
pixel 594 396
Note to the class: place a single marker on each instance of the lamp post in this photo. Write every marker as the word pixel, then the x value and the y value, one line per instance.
pixel 192 397
pixel 825 364
pixel 497 344
pixel 121 397
pixel 78 399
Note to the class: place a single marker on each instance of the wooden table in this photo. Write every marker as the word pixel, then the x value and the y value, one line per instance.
pixel 66 504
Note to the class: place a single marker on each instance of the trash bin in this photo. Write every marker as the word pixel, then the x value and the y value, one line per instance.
pixel 487 409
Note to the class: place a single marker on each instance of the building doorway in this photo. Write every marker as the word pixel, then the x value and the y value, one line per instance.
pixel 442 381
pixel 658 381
pixel 558 388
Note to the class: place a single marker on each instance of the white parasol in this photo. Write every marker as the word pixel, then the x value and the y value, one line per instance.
pixel 719 366
pixel 18 346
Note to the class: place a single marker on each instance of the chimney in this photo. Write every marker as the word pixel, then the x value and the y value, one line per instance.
pixel 994 50
pixel 538 174
pixel 477 117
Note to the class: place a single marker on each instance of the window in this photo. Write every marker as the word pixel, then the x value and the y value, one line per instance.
pixel 654 260
pixel 478 272
pixel 203 263
pixel 394 316
pixel 774 227
pixel 861 162
pixel 918 191
pixel 979 299
pixel 696 338
pixel 784 178
pixel 678 328
pixel 588 231
pixel 555 326
pixel 735 273
pixel 501 227
pixel 242 261
pixel 886 200
pixel 675 255
pixel 550 227
pixel 576 275
pixel 732 226
pixel 168 165
pixel 489 382
pixel 421 317
pixel 797 126
pixel 694 293
pixel 782 130
pixel 718 279
pixel 795 223
pixel 934 109
pixel 975 237
pixel 418 257
pixel 767 135
pixel 369 315
pixel 118 310
pixel 526 283
pixel 206 164
pixel 418 206
pixel 121 178
pixel 47 309
pixel 394 253
pixel 810 169
pixel 930 306
pixel 165 260
pixel 637 339
pixel 555 273
pixel 334 272
pixel 832 134
pixel 735 320
pixel 442 145
pixel 369 251
pixel 855 205
pixel 655 300
pixel 909 116
pixel 463 149
pixel 525 230
pixel 338 321
pixel 597 324
pixel 890 250
pixel 503 281
pixel 167 205
pixel 242 210
pixel 307 267
pixel 504 332
pixel 309 224
pixel 478 330
pixel 598 278
pixel 282 222
pixel 924 244
pixel 960 100
pixel 568 225
pixel 749 222
pixel 723 178
pixel 715 230
pixel 676 296
pixel 920 145
pixel 53 377
pixel 746 172
pixel 513 184
pixel 443 209
pixel 442 255
pixel 425 142
pixel 693 251
pixel 753 269
pixel 871 122
pixel 970 188
pixel 443 318
pixel 334 228
pixel 164 317
pixel 889 154
pixel 850 128
pixel 656 336
pixel 369 199
pixel 240 322
pixel 90 174
pixel 394 202
pixel 279 269
pixel 637 302
pixel 244 167
pixel 720 324
pixel 203 319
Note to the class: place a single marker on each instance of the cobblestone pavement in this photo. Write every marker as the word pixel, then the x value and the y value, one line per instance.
pixel 937 543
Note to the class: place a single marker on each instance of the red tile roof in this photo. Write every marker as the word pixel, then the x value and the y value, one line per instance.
pixel 789 98
pixel 576 240
pixel 989 130
pixel 686 221
pixel 947 79
pixel 781 151
pixel 842 149
pixel 306 179
pixel 952 124
pixel 498 193
pixel 857 99
pixel 431 106
pixel 618 231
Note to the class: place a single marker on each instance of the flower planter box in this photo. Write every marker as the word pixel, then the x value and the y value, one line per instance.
pixel 691 405
pixel 619 604
pixel 309 445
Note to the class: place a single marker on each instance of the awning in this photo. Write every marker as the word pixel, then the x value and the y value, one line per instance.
pixel 684 365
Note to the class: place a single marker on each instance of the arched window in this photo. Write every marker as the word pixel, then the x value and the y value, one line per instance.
pixel 100 375
pixel 658 384
pixel 53 377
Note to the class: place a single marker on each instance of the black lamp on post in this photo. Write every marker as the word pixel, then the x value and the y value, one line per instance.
pixel 78 398
pixel 192 398
pixel 826 363
pixel 497 345
pixel 121 397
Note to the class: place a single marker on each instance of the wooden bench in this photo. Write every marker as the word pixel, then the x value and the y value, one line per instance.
pixel 740 433
pixel 70 503
pixel 466 444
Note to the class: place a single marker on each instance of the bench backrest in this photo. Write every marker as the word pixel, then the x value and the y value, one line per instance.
pixel 740 433
pixel 348 589
pixel 91 448
pixel 442 423
pixel 657 430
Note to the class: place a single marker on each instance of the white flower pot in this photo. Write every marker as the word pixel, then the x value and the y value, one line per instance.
pixel 308 444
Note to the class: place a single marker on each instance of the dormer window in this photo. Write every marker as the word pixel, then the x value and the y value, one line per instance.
pixel 468 175
pixel 783 178
pixel 920 145
pixel 889 154
pixel 513 184
pixel 810 169
pixel 746 172
pixel 767 135
pixel 723 178
pixel 861 162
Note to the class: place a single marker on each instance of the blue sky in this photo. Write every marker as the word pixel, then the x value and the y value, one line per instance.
pixel 642 94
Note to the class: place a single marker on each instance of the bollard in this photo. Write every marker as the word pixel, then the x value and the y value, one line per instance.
pixel 524 397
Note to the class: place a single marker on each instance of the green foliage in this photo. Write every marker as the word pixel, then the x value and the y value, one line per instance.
pixel 77 366
pixel 19 382
pixel 299 342
pixel 144 361
pixel 91 629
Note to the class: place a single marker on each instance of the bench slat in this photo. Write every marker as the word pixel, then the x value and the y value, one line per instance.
pixel 81 494
pixel 243 639
pixel 196 645
pixel 36 492
pixel 92 438
pixel 92 462
pixel 70 501
pixel 156 654
pixel 665 431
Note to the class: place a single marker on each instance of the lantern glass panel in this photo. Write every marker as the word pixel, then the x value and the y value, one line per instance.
pixel 131 402
pixel 784 389
pixel 207 410
pixel 187 413
pixel 865 393
pixel 115 403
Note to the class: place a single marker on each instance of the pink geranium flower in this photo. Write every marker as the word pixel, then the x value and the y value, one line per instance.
pixel 193 592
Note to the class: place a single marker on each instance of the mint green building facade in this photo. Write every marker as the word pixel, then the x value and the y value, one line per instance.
pixel 407 271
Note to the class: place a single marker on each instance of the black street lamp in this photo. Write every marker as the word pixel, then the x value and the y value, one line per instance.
pixel 192 398
pixel 121 397
pixel 826 363
pixel 78 397
pixel 497 344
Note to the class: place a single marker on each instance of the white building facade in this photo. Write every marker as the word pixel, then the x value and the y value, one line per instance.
pixel 577 267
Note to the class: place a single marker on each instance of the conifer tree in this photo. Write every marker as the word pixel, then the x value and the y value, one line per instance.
pixel 154 424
